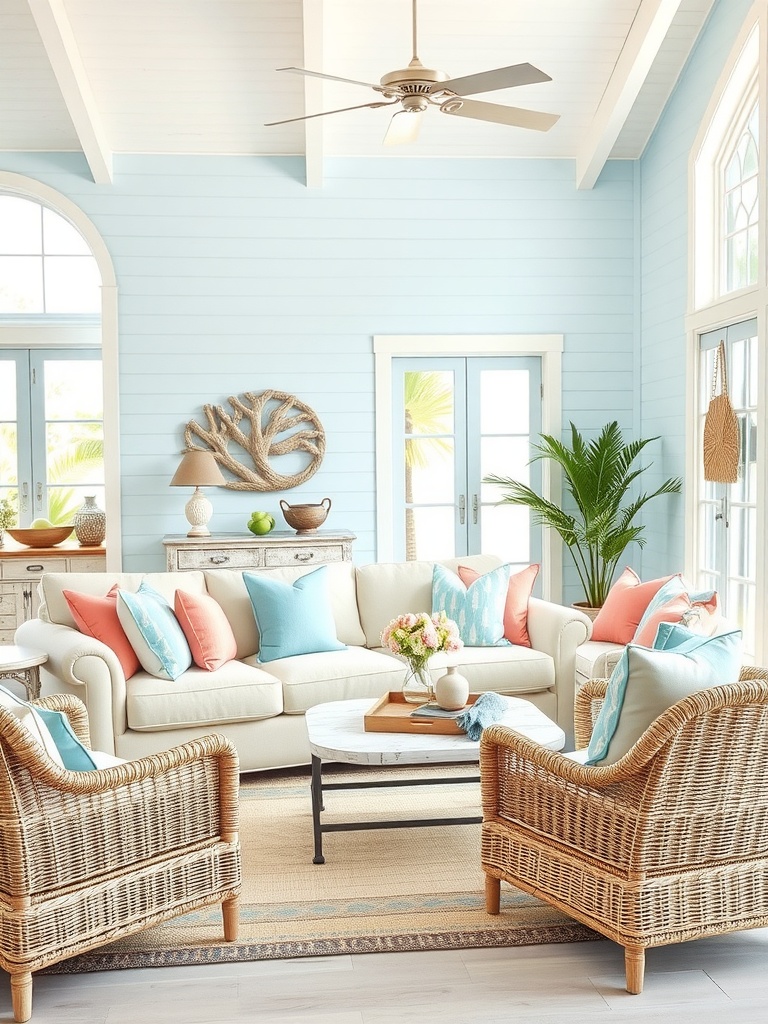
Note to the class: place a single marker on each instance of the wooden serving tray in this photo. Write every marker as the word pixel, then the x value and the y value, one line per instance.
pixel 392 713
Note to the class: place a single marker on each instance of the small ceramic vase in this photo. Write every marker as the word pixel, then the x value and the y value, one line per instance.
pixel 452 690
pixel 90 523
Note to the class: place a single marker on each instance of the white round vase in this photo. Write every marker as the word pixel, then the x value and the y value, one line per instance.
pixel 452 690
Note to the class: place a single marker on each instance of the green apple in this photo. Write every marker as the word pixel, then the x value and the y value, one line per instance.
pixel 261 523
pixel 40 524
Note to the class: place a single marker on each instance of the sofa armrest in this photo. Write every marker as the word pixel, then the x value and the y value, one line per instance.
pixel 558 630
pixel 85 667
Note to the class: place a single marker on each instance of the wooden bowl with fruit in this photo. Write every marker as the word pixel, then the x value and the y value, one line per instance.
pixel 41 534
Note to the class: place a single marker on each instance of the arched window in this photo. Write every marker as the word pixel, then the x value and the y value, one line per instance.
pixel 51 408
pixel 741 208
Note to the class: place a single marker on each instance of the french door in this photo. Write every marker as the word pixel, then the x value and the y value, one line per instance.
pixel 727 513
pixel 455 421
pixel 51 431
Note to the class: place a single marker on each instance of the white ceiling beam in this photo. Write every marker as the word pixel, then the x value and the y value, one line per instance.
pixel 643 42
pixel 67 65
pixel 313 92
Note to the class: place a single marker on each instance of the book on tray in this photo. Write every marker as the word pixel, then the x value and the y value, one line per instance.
pixel 433 710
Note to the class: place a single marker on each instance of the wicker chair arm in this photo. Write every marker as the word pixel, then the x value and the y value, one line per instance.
pixel 586 708
pixel 73 708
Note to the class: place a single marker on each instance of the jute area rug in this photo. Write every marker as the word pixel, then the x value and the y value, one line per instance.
pixel 384 890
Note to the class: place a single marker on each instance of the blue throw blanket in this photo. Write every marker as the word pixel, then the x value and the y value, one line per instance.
pixel 488 708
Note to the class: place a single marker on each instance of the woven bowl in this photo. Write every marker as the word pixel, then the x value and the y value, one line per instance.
pixel 305 518
pixel 45 538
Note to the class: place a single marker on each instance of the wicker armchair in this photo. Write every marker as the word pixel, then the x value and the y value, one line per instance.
pixel 669 843
pixel 88 857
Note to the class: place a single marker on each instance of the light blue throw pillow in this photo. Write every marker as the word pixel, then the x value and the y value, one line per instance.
pixel 646 681
pixel 52 730
pixel 292 618
pixel 74 755
pixel 478 610
pixel 153 632
pixel 672 588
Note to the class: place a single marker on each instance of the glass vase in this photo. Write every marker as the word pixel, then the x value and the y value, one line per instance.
pixel 418 687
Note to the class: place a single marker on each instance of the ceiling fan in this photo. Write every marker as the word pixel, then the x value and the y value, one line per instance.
pixel 416 88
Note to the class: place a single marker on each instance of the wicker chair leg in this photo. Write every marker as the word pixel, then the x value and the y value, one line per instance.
pixel 634 965
pixel 492 894
pixel 230 912
pixel 21 995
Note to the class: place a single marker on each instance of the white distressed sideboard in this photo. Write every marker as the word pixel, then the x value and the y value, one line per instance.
pixel 246 551
pixel 21 569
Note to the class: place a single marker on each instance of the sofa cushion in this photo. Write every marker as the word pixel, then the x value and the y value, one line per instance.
pixel 292 618
pixel 236 692
pixel 627 599
pixel 154 632
pixel 206 628
pixel 477 609
pixel 336 675
pixel 96 616
pixel 227 587
pixel 516 607
pixel 596 659
pixel 510 670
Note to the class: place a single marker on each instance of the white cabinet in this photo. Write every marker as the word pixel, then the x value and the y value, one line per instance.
pixel 246 551
pixel 20 572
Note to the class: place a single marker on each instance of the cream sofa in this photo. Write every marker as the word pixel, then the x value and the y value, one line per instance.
pixel 261 707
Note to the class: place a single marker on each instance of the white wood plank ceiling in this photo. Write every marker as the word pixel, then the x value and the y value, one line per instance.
pixel 199 76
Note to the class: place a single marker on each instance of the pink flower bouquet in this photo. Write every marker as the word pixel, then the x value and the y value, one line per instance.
pixel 417 636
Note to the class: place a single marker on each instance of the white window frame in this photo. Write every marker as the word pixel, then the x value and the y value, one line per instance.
pixel 548 347
pixel 31 334
pixel 709 308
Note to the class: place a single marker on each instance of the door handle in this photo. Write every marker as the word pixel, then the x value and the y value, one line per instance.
pixel 39 495
pixel 475 507
pixel 24 496
pixel 462 509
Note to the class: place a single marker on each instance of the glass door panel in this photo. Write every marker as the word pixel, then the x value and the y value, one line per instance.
pixel 727 518
pixel 458 420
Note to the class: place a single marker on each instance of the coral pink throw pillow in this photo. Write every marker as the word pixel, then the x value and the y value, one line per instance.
pixel 699 616
pixel 206 628
pixel 618 619
pixel 97 617
pixel 516 607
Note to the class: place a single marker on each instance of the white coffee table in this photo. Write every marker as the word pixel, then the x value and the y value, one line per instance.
pixel 336 733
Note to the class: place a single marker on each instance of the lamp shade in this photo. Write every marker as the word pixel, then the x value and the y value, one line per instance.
pixel 198 468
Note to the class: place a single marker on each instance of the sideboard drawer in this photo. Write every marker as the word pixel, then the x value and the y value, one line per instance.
pixel 220 558
pixel 31 568
pixel 303 554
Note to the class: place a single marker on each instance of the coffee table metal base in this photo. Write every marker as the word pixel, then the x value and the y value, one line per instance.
pixel 318 788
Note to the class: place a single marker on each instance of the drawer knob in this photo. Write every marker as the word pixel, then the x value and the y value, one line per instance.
pixel 35 568
pixel 304 556
pixel 218 559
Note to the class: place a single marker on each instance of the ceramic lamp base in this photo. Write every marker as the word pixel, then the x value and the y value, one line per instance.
pixel 198 511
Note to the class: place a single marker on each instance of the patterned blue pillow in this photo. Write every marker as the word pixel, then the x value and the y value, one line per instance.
pixel 292 618
pixel 646 681
pixel 153 632
pixel 478 610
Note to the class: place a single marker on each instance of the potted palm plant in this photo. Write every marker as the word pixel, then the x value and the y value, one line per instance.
pixel 599 523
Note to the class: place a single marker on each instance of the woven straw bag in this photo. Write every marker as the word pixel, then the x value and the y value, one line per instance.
pixel 721 429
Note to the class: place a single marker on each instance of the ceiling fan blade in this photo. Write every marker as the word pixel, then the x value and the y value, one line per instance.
pixel 496 112
pixel 331 78
pixel 487 81
pixel 404 127
pixel 341 110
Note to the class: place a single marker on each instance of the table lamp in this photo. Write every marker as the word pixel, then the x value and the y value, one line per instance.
pixel 198 469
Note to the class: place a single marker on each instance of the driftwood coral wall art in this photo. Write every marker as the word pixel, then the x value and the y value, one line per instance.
pixel 264 426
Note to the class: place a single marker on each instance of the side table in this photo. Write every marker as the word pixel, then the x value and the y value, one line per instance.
pixel 23 665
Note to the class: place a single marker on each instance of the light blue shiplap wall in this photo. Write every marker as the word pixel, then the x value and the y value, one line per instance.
pixel 234 276
pixel 665 225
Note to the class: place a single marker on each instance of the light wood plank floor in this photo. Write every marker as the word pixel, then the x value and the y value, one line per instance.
pixel 721 980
